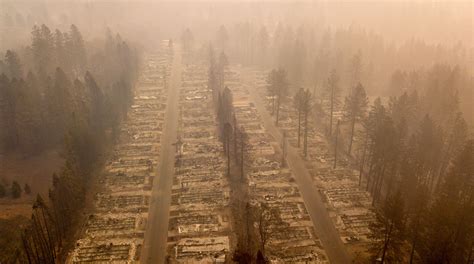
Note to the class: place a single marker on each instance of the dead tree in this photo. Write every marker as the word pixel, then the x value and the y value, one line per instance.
pixel 362 161
pixel 332 92
pixel 354 109
pixel 307 104
pixel 243 151
pixel 336 144
pixel 227 139
pixel 298 102
pixel 268 223
pixel 278 88
pixel 283 149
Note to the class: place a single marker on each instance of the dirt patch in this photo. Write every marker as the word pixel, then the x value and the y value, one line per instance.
pixel 10 241
pixel 14 207
pixel 359 252
pixel 36 171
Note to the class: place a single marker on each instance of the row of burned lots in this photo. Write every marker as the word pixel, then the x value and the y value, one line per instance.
pixel 199 219
pixel 348 203
pixel 114 233
pixel 284 229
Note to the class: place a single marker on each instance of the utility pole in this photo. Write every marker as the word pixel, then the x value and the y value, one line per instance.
pixel 335 145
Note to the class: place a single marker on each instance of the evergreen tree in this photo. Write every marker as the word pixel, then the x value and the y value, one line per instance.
pixel 187 38
pixel 268 223
pixel 42 48
pixel 3 192
pixel 16 190
pixel 388 231
pixel 453 143
pixel 27 189
pixel 297 64
pixel 307 106
pixel 62 58
pixel 28 117
pixel 58 105
pixel 450 231
pixel 428 151
pixel 356 70
pixel 8 96
pixel 278 89
pixel 97 103
pixel 332 95
pixel 355 108
pixel 298 99
pixel 13 65
pixel 221 67
pixel 263 44
pixel 77 51
pixel 222 37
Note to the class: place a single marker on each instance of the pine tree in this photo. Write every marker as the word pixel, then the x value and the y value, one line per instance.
pixel 13 65
pixel 263 43
pixel 222 37
pixel 3 192
pixel 332 95
pixel 356 70
pixel 268 222
pixel 77 51
pixel 8 97
pixel 278 89
pixel 58 103
pixel 28 117
pixel 27 188
pixel 388 230
pixel 62 58
pixel 16 190
pixel 298 99
pixel 220 70
pixel 297 63
pixel 307 106
pixel 43 47
pixel 428 151
pixel 355 108
pixel 450 233
pixel 453 143
pixel 97 103
pixel 187 38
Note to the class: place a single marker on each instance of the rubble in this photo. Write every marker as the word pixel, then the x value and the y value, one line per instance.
pixel 114 233
pixel 199 224
pixel 273 184
pixel 349 205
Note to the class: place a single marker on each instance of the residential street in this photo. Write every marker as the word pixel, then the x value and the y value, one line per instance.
pixel 154 250
pixel 325 229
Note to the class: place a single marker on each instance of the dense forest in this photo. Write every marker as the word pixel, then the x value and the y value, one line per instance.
pixel 59 77
pixel 65 93
pixel 309 54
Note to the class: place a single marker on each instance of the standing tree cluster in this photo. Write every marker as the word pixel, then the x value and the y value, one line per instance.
pixel 419 172
pixel 303 103
pixel 354 109
pixel 278 90
pixel 332 93
pixel 39 108
pixel 71 102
